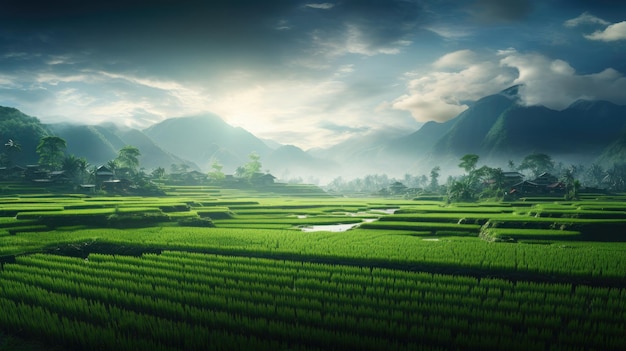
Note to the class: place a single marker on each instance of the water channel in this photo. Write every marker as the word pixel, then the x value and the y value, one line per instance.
pixel 342 227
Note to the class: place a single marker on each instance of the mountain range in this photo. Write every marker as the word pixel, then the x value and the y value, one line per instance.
pixel 497 127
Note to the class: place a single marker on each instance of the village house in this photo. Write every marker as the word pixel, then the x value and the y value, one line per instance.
pixel 511 178
pixel 13 172
pixel 34 172
pixel 262 179
pixel 544 184
pixel 103 173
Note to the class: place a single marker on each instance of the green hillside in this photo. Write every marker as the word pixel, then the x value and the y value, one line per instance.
pixel 24 130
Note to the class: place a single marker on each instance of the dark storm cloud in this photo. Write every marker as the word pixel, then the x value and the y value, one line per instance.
pixel 381 22
pixel 296 63
pixel 605 8
pixel 170 37
pixel 144 32
pixel 494 11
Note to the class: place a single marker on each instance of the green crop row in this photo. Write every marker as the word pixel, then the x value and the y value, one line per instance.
pixel 433 227
pixel 577 259
pixel 529 234
pixel 178 300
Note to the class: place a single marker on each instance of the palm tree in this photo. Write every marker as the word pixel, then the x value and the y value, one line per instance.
pixel 83 170
pixel 468 162
pixel 511 164
pixel 616 177
pixel 10 148
pixel 537 163
pixel 158 173
pixel 70 165
pixel 495 177
pixel 434 178
pixel 240 171
pixel 595 173
pixel 51 150
pixel 75 168
pixel 128 158
pixel 113 166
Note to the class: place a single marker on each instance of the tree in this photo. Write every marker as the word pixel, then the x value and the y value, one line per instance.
pixel 495 179
pixel 128 159
pixel 616 177
pixel 253 166
pixel 594 175
pixel 158 173
pixel 240 172
pixel 216 175
pixel 459 191
pixel 75 168
pixel 468 162
pixel 568 177
pixel 91 174
pixel 434 178
pixel 113 166
pixel 51 150
pixel 537 163
pixel 511 164
pixel 573 192
pixel 10 147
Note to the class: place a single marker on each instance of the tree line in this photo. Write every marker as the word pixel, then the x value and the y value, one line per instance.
pixel 486 182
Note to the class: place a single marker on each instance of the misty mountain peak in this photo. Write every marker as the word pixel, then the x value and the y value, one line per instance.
pixel 512 92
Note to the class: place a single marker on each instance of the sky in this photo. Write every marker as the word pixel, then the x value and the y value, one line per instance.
pixel 305 73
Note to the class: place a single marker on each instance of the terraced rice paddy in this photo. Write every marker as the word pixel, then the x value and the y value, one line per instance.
pixel 209 268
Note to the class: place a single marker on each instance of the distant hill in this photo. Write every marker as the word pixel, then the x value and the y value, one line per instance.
pixel 87 141
pixel 614 152
pixel 468 131
pixel 24 130
pixel 498 128
pixel 583 130
pixel 289 160
pixel 203 139
pixel 100 144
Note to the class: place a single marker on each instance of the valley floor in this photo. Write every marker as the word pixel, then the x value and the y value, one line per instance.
pixel 211 268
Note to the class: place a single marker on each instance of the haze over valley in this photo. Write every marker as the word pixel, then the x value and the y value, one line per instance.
pixel 320 89
pixel 498 128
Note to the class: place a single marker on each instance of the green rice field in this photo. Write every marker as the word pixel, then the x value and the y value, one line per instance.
pixel 206 268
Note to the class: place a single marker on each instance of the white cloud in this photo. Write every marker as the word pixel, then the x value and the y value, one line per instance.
pixel 459 76
pixel 6 82
pixel 439 94
pixel 95 96
pixel 428 108
pixel 555 84
pixel 613 32
pixel 353 40
pixel 321 6
pixel 286 110
pixel 584 18
pixel 450 32
pixel 455 59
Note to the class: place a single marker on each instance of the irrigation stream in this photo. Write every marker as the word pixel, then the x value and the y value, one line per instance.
pixel 342 227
